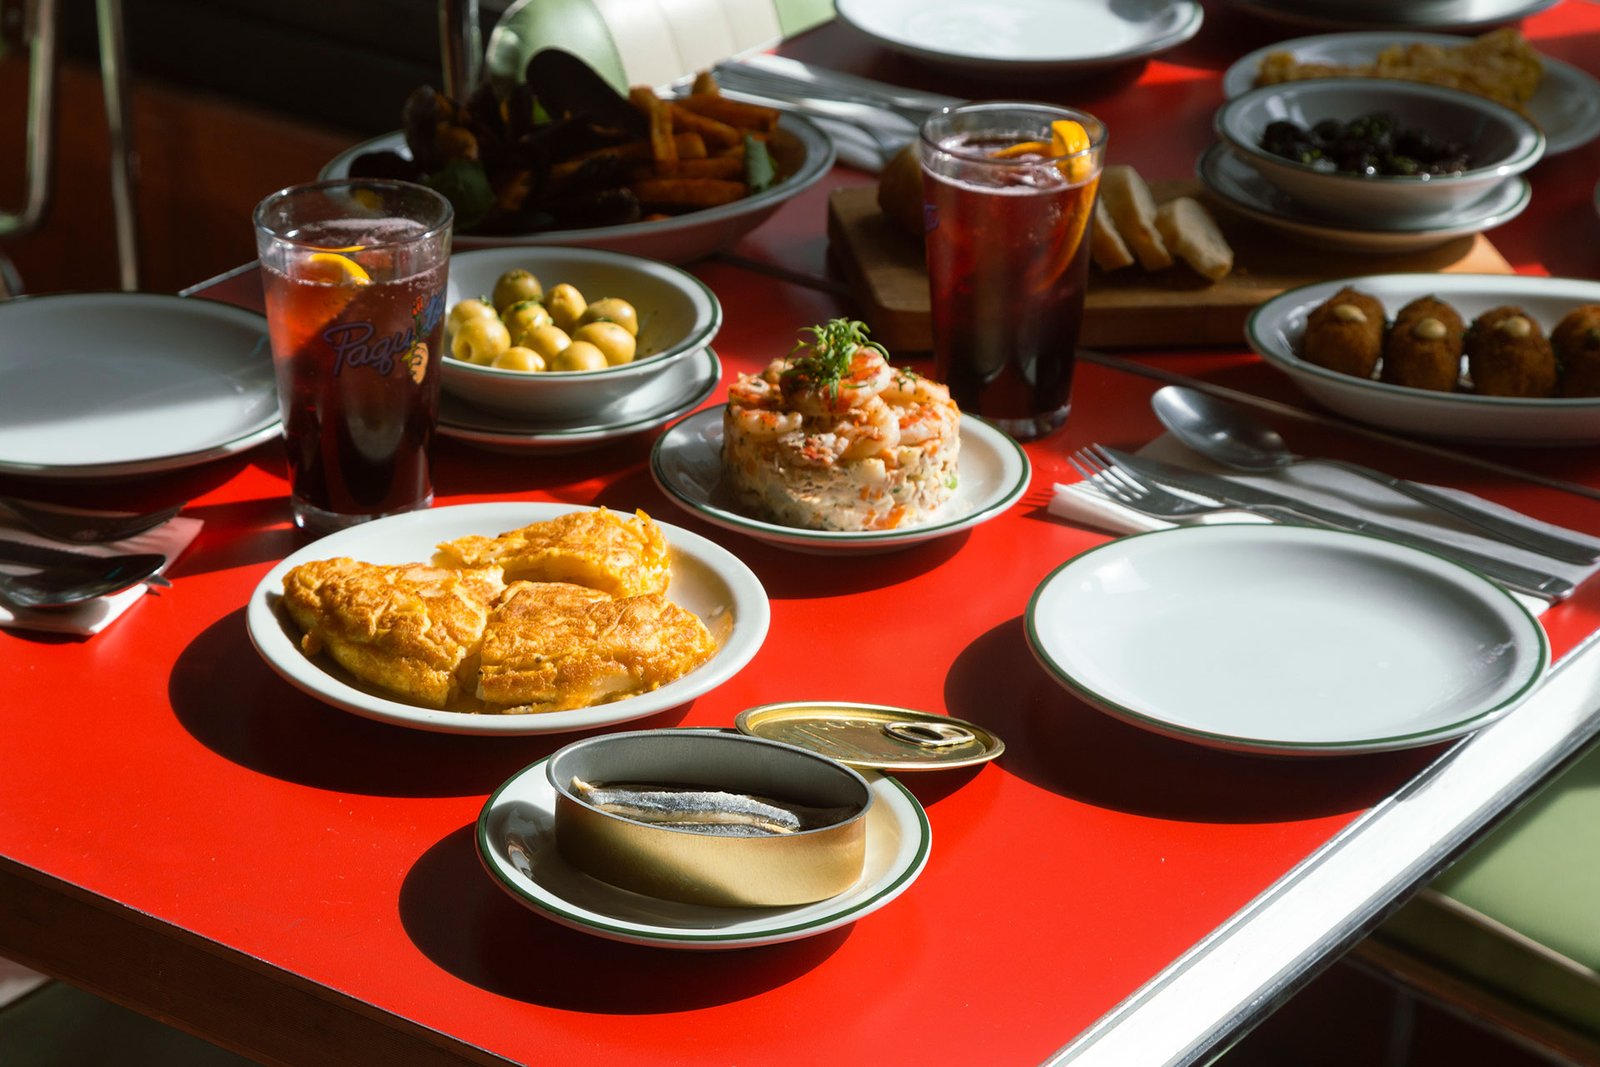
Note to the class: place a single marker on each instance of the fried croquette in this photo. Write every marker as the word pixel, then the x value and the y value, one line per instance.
pixel 1345 333
pixel 411 629
pixel 624 555
pixel 1509 355
pixel 551 646
pixel 1576 341
pixel 1423 348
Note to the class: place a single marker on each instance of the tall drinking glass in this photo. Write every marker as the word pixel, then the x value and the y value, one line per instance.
pixel 354 272
pixel 1009 190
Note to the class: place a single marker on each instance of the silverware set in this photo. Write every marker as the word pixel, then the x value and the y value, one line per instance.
pixel 61 577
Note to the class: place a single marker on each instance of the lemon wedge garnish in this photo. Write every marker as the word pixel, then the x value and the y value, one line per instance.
pixel 1069 138
pixel 1012 151
pixel 336 269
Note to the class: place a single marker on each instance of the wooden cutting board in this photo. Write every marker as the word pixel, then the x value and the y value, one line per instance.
pixel 1130 307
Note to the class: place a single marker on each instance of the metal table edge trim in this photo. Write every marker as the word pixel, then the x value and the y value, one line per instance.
pixel 1214 993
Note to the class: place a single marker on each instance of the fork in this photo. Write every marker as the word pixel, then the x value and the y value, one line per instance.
pixel 1119 484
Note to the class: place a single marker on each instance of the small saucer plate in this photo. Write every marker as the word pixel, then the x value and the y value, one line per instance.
pixel 993 473
pixel 678 391
pixel 1239 187
pixel 1285 639
pixel 516 844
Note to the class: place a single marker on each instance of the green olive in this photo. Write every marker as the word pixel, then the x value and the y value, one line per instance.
pixel 523 317
pixel 613 309
pixel 566 306
pixel 613 341
pixel 479 340
pixel 467 309
pixel 518 358
pixel 515 286
pixel 579 355
pixel 548 341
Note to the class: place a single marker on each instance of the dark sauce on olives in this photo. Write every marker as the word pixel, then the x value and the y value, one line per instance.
pixel 1375 145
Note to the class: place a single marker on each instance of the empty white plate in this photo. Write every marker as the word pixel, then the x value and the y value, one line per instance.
pixel 516 843
pixel 1024 37
pixel 1285 639
pixel 104 385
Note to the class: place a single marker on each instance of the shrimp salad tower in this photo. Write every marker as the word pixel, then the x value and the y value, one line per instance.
pixel 831 437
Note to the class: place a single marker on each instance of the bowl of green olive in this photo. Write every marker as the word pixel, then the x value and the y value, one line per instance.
pixel 562 333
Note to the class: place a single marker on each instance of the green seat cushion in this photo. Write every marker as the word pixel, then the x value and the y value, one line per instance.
pixel 1520 912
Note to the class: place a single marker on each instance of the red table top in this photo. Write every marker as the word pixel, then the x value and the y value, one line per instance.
pixel 162 772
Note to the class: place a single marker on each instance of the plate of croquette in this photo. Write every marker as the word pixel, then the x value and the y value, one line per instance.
pixel 1472 358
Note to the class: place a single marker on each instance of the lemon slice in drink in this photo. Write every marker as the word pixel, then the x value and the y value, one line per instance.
pixel 335 269
pixel 1069 138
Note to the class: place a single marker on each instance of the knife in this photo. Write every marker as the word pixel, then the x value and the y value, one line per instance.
pixel 44 556
pixel 1514 576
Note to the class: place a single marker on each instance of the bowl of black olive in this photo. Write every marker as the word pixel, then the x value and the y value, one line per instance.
pixel 1376 151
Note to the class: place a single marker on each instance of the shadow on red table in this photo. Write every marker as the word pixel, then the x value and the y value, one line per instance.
pixel 234 704
pixel 457 917
pixel 1061 744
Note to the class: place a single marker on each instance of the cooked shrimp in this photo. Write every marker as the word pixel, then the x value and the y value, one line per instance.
pixel 766 423
pixel 924 407
pixel 838 370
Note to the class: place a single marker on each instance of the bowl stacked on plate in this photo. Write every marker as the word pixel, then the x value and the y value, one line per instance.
pixel 1372 162
pixel 670 370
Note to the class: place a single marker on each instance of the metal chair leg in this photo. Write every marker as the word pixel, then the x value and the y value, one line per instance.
pixel 124 163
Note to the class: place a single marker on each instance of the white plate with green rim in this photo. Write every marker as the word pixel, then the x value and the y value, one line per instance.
pixel 1394 14
pixel 1276 328
pixel 679 390
pixel 1285 639
pixel 707 579
pixel 516 844
pixel 111 385
pixel 1566 106
pixel 992 474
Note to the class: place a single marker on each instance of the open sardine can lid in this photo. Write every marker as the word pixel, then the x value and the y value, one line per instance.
pixel 874 736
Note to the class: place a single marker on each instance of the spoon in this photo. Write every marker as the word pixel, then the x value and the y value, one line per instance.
pixel 83 526
pixel 62 585
pixel 1227 435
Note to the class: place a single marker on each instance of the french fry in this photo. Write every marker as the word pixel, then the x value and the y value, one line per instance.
pixel 663 149
pixel 717 134
pixel 728 167
pixel 687 192
pixel 705 84
pixel 749 117
pixel 687 146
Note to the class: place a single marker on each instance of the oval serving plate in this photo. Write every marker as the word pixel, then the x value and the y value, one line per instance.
pixel 516 844
pixel 1566 106
pixel 109 385
pixel 993 473
pixel 680 239
pixel 1276 327
pixel 706 579
pixel 1285 639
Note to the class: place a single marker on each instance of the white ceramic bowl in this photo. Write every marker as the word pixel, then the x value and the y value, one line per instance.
pixel 678 316
pixel 1500 143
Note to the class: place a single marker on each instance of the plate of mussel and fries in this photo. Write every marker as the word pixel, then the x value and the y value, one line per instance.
pixel 565 159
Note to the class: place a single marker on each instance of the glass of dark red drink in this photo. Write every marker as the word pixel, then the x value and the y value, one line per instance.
pixel 354 273
pixel 1009 194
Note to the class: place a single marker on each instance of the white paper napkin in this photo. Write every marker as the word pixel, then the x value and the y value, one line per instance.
pixel 1330 488
pixel 92 616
